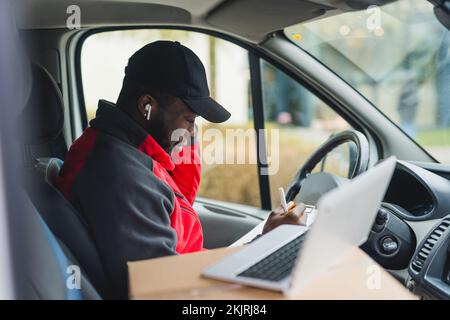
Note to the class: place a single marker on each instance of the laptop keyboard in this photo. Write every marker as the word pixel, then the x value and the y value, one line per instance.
pixel 278 264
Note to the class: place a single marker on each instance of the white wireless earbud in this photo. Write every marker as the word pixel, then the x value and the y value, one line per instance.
pixel 148 108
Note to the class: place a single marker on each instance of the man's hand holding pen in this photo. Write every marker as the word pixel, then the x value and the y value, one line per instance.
pixel 286 213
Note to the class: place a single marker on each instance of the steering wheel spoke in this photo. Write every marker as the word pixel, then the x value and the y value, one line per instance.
pixel 359 164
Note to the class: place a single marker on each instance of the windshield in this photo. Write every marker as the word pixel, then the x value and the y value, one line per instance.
pixel 398 57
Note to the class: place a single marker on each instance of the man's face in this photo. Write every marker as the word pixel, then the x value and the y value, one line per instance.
pixel 168 118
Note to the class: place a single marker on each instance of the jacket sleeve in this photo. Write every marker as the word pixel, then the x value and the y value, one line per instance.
pixel 187 173
pixel 128 210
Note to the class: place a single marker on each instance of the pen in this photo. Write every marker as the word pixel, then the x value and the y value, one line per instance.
pixel 283 199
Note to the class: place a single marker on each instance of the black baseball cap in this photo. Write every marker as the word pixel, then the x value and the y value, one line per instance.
pixel 170 67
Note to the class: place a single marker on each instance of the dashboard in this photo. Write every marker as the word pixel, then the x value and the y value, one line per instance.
pixel 416 199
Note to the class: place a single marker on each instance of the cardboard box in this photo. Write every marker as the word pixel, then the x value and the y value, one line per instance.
pixel 357 276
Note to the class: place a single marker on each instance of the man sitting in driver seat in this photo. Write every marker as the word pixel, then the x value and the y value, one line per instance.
pixel 120 175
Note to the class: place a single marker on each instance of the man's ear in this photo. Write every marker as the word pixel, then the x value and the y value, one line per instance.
pixel 142 103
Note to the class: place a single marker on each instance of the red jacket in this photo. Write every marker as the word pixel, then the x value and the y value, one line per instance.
pixel 137 203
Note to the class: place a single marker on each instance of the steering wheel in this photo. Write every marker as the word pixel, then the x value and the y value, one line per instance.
pixel 357 165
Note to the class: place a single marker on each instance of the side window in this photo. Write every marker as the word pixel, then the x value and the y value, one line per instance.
pixel 226 175
pixel 298 122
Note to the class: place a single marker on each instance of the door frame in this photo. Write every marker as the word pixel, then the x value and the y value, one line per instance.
pixel 256 53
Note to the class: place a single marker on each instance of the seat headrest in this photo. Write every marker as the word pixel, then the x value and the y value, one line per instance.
pixel 43 115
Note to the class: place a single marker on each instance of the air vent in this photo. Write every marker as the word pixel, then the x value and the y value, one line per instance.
pixel 425 250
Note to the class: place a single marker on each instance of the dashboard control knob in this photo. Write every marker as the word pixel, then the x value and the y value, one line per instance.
pixel 389 245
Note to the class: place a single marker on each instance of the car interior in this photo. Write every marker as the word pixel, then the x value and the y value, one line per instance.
pixel 411 235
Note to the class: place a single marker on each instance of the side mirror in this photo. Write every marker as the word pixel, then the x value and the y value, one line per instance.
pixel 442 11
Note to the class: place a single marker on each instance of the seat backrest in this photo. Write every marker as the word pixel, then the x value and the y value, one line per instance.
pixel 69 228
pixel 49 264
pixel 43 118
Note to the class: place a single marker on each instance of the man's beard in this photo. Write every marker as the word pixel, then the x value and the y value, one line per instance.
pixel 161 134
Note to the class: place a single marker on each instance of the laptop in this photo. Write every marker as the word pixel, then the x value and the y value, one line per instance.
pixel 287 258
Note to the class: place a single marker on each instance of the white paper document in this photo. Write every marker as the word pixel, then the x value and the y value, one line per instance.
pixel 249 236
